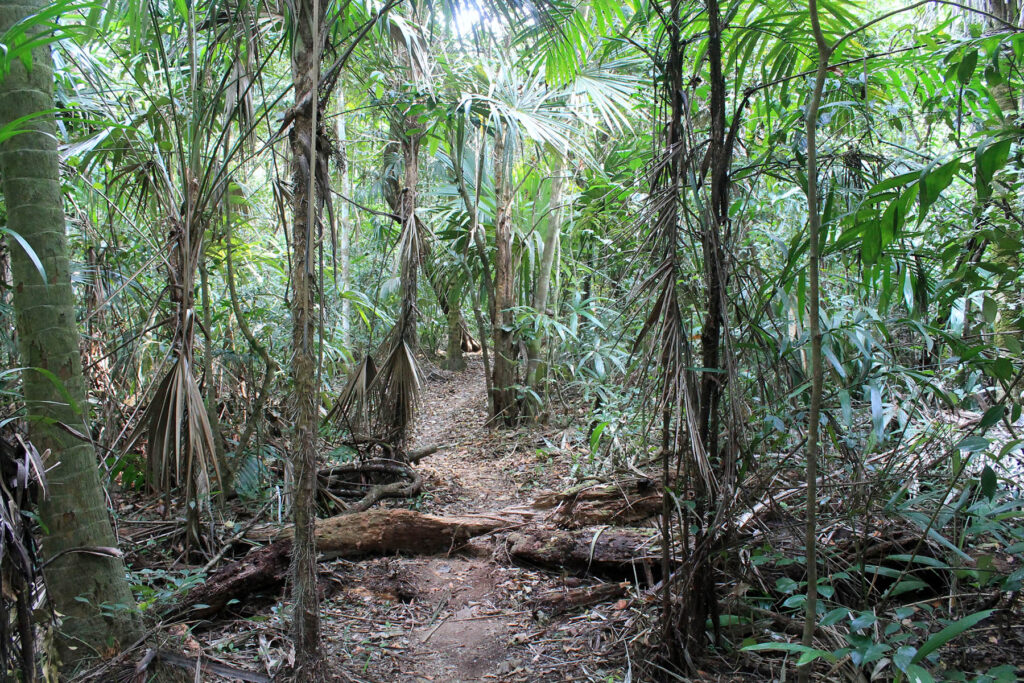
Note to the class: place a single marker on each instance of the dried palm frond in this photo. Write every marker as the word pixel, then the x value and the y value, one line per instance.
pixel 380 401
pixel 22 469
pixel 181 441
pixel 398 386
pixel 354 404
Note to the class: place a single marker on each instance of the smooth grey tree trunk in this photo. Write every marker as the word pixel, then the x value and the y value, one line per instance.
pixel 547 260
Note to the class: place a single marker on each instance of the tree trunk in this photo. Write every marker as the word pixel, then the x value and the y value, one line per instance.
pixel 506 404
pixel 82 585
pixel 814 307
pixel 456 332
pixel 211 387
pixel 410 231
pixel 306 206
pixel 472 206
pixel 345 228
pixel 547 260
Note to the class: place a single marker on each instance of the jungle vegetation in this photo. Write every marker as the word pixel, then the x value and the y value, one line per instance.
pixel 762 257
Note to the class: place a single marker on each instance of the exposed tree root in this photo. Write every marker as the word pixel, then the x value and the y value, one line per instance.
pixel 350 480
pixel 391 477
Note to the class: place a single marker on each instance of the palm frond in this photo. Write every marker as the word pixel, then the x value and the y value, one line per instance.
pixel 181 441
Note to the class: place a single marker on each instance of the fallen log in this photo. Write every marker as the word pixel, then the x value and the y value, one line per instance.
pixel 560 601
pixel 385 532
pixel 618 504
pixel 604 552
pixel 263 569
pixel 374 532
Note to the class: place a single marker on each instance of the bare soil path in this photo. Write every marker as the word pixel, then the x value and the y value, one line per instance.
pixel 468 617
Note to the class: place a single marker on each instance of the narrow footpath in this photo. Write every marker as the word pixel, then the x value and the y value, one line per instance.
pixel 468 616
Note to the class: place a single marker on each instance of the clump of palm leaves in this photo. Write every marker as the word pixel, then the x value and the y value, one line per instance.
pixel 380 398
pixel 181 441
pixel 176 163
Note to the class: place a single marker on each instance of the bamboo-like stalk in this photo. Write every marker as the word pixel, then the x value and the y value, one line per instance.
pixel 814 304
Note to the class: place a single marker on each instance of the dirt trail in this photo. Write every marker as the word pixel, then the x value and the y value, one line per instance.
pixel 465 475
pixel 468 617
pixel 472 619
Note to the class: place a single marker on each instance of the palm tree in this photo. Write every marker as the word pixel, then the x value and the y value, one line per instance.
pixel 308 192
pixel 85 575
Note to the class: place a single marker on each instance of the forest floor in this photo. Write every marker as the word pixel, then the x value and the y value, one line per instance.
pixel 461 617
pixel 474 614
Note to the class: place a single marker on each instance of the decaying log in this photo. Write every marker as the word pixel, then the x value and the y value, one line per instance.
pixel 620 504
pixel 263 569
pixel 559 601
pixel 374 532
pixel 604 552
pixel 385 532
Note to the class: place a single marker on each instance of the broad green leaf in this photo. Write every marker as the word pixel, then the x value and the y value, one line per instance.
pixel 988 482
pixel 990 309
pixel 992 416
pixel 1002 368
pixel 871 245
pixel 810 652
pixel 918 674
pixel 991 156
pixel 834 616
pixel 595 437
pixel 933 181
pixel 863 620
pixel 973 444
pixel 949 633
pixel 965 71
pixel 904 656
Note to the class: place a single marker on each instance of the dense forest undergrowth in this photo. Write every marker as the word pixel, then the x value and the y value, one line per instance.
pixel 401 341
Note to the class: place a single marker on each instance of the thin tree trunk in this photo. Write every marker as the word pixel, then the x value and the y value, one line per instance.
pixel 345 238
pixel 211 386
pixel 306 206
pixel 667 227
pixel 485 271
pixel 506 404
pixel 547 260
pixel 410 264
pixel 453 355
pixel 82 585
pixel 814 304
